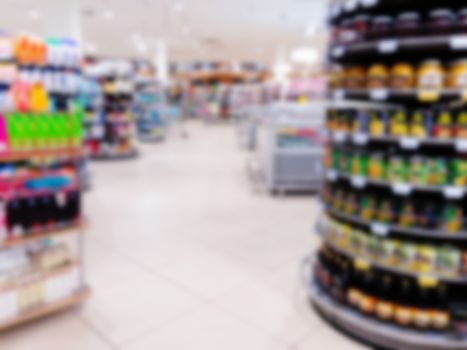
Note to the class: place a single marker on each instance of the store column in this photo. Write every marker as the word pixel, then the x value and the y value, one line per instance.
pixel 63 20
pixel 161 61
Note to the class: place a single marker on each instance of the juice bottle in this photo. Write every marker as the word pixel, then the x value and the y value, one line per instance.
pixel 385 307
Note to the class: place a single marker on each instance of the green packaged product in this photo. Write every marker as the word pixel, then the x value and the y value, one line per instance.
pixel 385 212
pixel 367 207
pixel 418 172
pixel 448 261
pixel 397 169
pixel 459 172
pixel 336 159
pixel 453 217
pixel 438 172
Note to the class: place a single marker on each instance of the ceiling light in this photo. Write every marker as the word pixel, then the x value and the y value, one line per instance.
pixel 179 6
pixel 306 55
pixel 108 14
pixel 34 14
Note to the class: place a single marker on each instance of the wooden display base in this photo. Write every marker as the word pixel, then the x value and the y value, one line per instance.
pixel 46 310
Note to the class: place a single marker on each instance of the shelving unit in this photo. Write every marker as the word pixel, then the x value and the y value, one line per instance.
pixel 148 107
pixel 40 201
pixel 111 129
pixel 391 272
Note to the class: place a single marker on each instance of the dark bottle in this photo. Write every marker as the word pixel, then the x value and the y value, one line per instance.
pixel 14 218
pixel 368 299
pixel 440 317
pixel 46 211
pixel 385 308
pixel 340 277
pixel 31 214
pixel 404 313
pixel 73 207
pixel 423 302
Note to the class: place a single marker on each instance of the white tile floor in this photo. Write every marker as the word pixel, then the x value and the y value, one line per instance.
pixel 182 253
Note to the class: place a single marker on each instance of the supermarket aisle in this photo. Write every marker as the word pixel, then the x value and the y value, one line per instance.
pixel 183 254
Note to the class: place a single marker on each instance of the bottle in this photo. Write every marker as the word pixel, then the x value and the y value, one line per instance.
pixel 440 317
pixel 385 308
pixel 14 218
pixel 422 314
pixel 404 314
pixel 368 300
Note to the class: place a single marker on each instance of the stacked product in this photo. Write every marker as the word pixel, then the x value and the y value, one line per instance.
pixel 392 270
pixel 41 144
pixel 111 130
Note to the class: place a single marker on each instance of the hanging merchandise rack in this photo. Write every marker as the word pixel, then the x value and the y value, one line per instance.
pixel 392 270
pixel 40 148
pixel 111 131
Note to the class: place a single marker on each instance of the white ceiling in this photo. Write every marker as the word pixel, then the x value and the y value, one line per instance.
pixel 194 29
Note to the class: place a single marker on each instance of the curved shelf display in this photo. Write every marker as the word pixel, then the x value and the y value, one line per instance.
pixel 400 189
pixel 396 48
pixel 382 229
pixel 406 142
pixel 379 334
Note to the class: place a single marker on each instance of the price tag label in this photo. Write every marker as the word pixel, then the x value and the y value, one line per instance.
pixel 339 94
pixel 350 5
pixel 339 136
pixel 379 94
pixel 402 189
pixel 388 46
pixel 409 143
pixel 461 145
pixel 358 181
pixel 454 192
pixel 361 264
pixel 369 3
pixel 379 229
pixel 336 10
pixel 360 138
pixel 429 95
pixel 338 51
pixel 428 281
pixel 458 42
pixel 332 175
